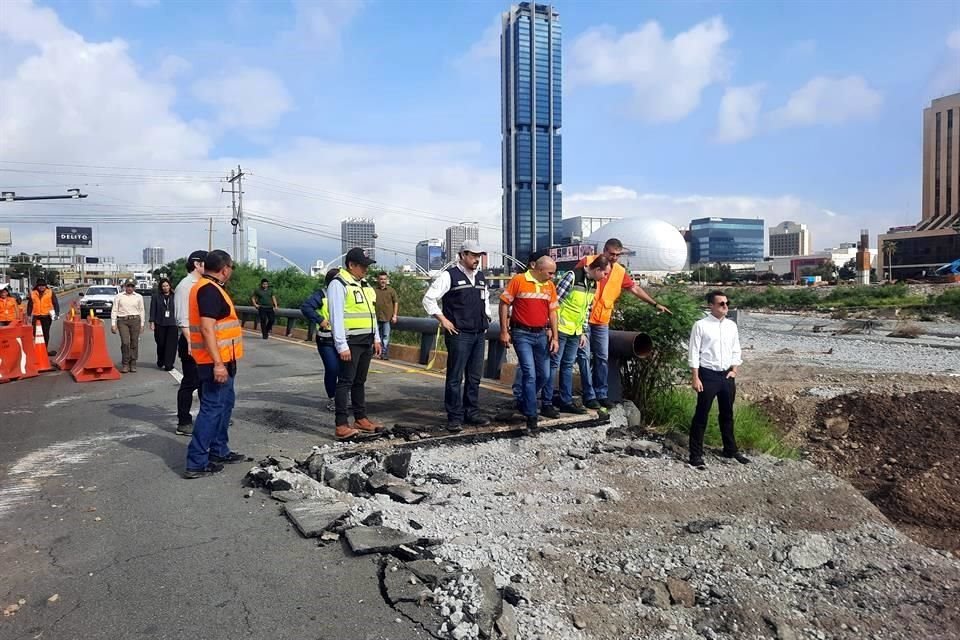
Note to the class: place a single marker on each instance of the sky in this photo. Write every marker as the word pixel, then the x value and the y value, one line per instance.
pixel 390 109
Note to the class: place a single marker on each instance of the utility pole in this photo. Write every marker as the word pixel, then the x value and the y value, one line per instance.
pixel 236 190
pixel 210 235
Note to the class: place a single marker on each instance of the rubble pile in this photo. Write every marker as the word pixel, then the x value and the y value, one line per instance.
pixel 602 534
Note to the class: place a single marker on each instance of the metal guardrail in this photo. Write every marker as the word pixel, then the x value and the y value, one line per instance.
pixel 624 345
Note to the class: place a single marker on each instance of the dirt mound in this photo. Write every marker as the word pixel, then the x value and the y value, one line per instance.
pixel 902 451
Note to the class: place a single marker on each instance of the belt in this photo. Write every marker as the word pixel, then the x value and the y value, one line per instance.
pixel 125 317
pixel 523 327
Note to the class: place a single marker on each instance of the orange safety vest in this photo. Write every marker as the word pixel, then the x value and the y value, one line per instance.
pixel 228 331
pixel 608 291
pixel 9 311
pixel 42 305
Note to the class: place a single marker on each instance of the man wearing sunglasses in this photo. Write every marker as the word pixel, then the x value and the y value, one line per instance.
pixel 714 359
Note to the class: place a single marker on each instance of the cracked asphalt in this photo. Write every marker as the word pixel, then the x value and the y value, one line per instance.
pixel 93 509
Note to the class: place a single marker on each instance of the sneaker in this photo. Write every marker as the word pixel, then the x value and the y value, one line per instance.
pixel 592 404
pixel 185 429
pixel 739 457
pixel 477 421
pixel 454 426
pixel 570 408
pixel 606 403
pixel 549 412
pixel 346 432
pixel 698 464
pixel 364 424
pixel 124 369
pixel 233 458
pixel 209 470
pixel 332 405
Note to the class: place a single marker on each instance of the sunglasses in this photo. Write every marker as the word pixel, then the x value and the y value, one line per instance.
pixel 722 304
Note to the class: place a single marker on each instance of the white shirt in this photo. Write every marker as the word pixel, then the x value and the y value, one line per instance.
pixel 128 304
pixel 440 287
pixel 714 344
pixel 181 299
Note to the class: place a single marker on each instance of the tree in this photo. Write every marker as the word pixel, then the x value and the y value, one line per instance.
pixel 889 249
pixel 768 276
pixel 849 270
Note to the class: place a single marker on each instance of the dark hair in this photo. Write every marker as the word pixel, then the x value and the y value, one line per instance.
pixel 41 282
pixel 600 262
pixel 191 265
pixel 333 273
pixel 612 243
pixel 160 284
pixel 382 273
pixel 712 296
pixel 264 280
pixel 536 255
pixel 217 260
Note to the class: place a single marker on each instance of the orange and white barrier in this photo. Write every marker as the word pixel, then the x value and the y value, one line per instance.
pixel 95 363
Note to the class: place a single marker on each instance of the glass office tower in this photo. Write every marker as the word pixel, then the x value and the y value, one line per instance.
pixel 726 240
pixel 531 116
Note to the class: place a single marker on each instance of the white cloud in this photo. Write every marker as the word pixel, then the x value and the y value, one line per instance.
pixel 825 100
pixel 739 113
pixel 172 66
pixel 601 194
pixel 486 48
pixel 946 78
pixel 246 98
pixel 666 75
pixel 828 228
pixel 320 23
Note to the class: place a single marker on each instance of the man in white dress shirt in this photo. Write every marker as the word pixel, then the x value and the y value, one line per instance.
pixel 714 359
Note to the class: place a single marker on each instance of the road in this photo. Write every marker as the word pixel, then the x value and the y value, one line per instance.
pixel 93 508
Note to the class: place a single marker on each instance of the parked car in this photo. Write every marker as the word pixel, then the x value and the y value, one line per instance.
pixel 98 299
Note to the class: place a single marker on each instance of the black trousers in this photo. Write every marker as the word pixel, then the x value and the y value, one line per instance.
pixel 45 322
pixel 166 339
pixel 715 385
pixel 189 383
pixel 267 318
pixel 351 380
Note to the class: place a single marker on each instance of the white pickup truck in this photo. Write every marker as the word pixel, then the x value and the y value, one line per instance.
pixel 98 299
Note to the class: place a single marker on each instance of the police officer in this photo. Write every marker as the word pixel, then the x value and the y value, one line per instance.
pixel 464 316
pixel 353 317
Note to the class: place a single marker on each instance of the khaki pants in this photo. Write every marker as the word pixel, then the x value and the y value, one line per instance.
pixel 129 329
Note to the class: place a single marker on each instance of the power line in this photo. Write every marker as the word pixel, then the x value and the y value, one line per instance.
pixel 93 166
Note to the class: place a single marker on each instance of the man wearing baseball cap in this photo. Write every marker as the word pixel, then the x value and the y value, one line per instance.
pixel 458 300
pixel 191 380
pixel 352 303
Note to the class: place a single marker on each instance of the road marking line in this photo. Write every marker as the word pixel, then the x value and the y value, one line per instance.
pixel 403 368
pixel 28 474
pixel 176 375
pixel 64 400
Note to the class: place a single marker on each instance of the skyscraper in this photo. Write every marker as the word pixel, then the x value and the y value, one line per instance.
pixel 153 256
pixel 358 232
pixel 790 239
pixel 531 116
pixel 941 157
pixel 457 234
pixel 726 240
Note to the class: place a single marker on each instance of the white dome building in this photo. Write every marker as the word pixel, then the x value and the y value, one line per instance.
pixel 651 247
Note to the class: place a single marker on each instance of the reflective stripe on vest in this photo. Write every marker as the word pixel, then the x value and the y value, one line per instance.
pixel 573 309
pixel 608 291
pixel 325 314
pixel 359 305
pixel 228 331
pixel 42 306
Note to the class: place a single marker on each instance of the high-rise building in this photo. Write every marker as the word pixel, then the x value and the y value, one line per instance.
pixel 941 157
pixel 726 240
pixel 790 239
pixel 531 116
pixel 252 256
pixel 430 255
pixel 457 235
pixel 582 227
pixel 358 232
pixel 153 256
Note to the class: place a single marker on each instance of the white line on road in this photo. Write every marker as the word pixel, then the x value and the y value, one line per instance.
pixel 30 472
pixel 63 400
pixel 176 375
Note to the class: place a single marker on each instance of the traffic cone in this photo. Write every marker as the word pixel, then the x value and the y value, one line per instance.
pixel 40 350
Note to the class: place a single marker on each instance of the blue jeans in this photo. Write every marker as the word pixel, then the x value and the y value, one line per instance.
pixel 586 371
pixel 384 328
pixel 210 428
pixel 600 350
pixel 331 366
pixel 534 360
pixel 464 359
pixel 562 362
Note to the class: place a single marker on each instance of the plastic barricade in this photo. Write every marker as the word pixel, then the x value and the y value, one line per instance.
pixel 72 348
pixel 13 356
pixel 95 362
pixel 27 339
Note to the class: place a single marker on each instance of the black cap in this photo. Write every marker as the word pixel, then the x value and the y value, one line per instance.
pixel 197 256
pixel 357 256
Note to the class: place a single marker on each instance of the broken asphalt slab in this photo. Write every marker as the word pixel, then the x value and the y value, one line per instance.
pixel 314 516
pixel 364 540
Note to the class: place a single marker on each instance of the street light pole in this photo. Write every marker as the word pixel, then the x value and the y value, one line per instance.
pixel 11 196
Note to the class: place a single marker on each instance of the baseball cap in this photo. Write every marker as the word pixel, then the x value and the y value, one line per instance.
pixel 472 246
pixel 357 256
pixel 197 256
pixel 129 283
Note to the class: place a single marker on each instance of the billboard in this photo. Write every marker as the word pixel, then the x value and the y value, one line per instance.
pixel 5 238
pixel 74 236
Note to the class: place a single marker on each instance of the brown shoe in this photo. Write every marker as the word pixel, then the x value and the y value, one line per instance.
pixel 364 424
pixel 346 432
pixel 124 369
pixel 133 367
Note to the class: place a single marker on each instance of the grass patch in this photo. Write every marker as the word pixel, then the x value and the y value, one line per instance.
pixel 673 412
